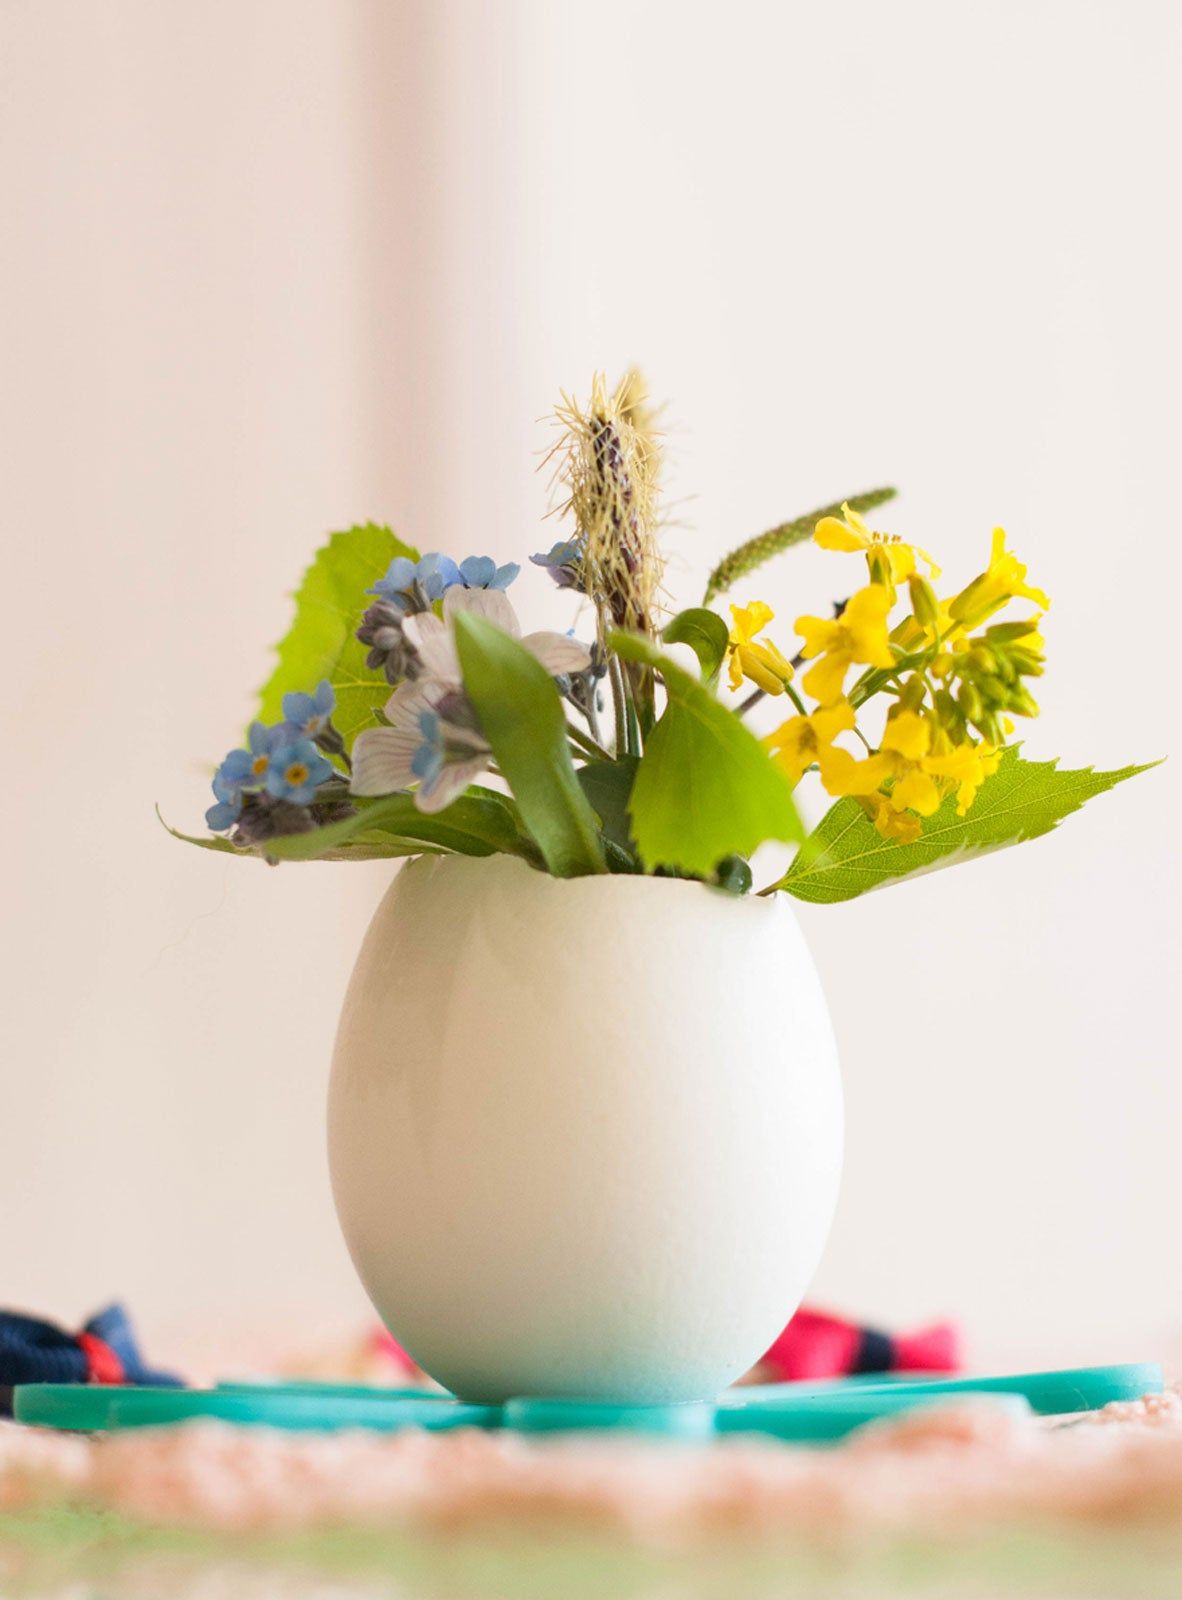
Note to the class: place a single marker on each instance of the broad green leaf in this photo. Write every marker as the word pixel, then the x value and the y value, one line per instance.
pixel 521 715
pixel 846 856
pixel 706 634
pixel 743 561
pixel 477 824
pixel 473 825
pixel 206 841
pixel 706 788
pixel 320 642
pixel 608 784
pixel 376 846
pixel 371 847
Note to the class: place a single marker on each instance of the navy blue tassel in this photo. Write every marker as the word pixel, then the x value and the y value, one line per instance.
pixel 105 1351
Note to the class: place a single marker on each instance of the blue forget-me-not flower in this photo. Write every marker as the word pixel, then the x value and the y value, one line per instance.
pixel 308 715
pixel 414 585
pixel 277 765
pixel 482 572
pixel 228 809
pixel 564 562
pixel 296 770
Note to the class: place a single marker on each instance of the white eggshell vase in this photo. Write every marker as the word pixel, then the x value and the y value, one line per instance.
pixel 585 1134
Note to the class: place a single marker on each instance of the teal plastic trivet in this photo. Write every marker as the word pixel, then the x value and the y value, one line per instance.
pixel 332 1390
pixel 92 1408
pixel 1049 1393
pixel 800 1412
pixel 816 1420
pixel 83 1407
pixel 578 1416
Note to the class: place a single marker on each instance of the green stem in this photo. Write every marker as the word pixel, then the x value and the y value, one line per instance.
pixel 795 699
pixel 587 745
pixel 617 682
pixel 871 682
pixel 634 743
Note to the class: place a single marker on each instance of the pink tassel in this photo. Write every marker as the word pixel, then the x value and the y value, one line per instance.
pixel 816 1345
pixel 386 1346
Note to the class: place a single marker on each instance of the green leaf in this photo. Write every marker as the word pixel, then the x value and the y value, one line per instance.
pixel 320 642
pixel 521 715
pixel 706 634
pixel 846 856
pixel 474 825
pixel 477 824
pixel 208 841
pixel 743 561
pixel 706 788
pixel 608 785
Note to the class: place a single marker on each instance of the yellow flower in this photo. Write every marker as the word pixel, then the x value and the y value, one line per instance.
pixel 922 775
pixel 1003 580
pixel 756 659
pixel 894 825
pixel 859 634
pixel 843 774
pixel 968 765
pixel 908 735
pixel 882 550
pixel 800 741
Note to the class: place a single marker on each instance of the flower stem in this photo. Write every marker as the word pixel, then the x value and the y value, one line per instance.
pixel 634 742
pixel 617 682
pixel 586 745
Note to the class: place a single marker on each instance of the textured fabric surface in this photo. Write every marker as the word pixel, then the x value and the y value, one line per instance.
pixel 965 1463
pixel 961 1501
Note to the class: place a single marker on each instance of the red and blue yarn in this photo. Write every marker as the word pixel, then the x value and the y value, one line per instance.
pixel 105 1350
pixel 816 1345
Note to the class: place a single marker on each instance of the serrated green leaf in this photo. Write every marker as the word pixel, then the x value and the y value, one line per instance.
pixel 706 634
pixel 521 715
pixel 320 642
pixel 846 856
pixel 743 561
pixel 706 788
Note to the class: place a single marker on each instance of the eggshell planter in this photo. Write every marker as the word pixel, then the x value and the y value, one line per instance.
pixel 585 1135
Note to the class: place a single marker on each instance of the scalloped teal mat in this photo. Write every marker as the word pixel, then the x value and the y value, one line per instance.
pixel 802 1413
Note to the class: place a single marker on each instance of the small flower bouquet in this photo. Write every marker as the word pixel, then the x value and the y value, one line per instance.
pixel 408 715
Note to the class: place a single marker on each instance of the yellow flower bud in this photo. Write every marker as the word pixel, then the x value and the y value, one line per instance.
pixel 924 602
pixel 1023 702
pixel 948 712
pixel 970 702
pixel 912 693
pixel 993 689
pixel 1026 662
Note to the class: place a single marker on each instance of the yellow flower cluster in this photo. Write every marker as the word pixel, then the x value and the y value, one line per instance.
pixel 953 691
pixel 753 658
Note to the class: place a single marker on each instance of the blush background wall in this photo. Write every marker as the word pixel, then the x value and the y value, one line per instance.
pixel 270 268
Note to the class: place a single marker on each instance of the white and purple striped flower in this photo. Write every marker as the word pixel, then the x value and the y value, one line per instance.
pixel 433 739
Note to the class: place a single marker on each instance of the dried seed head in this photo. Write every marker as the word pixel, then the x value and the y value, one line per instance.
pixel 609 462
